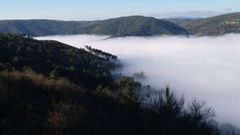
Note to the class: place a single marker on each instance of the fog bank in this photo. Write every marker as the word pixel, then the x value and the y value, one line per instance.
pixel 206 68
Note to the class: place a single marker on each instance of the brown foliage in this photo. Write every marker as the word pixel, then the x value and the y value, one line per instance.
pixel 40 80
pixel 64 116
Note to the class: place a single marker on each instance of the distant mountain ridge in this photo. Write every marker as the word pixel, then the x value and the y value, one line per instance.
pixel 212 26
pixel 42 27
pixel 123 26
pixel 127 26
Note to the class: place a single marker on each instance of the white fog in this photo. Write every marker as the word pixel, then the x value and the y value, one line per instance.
pixel 204 68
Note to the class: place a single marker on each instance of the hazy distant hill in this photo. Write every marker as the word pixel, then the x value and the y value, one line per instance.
pixel 43 27
pixel 123 26
pixel 181 21
pixel 219 25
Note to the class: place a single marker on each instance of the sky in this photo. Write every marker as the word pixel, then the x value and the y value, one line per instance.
pixel 101 9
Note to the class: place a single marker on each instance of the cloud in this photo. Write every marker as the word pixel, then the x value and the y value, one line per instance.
pixel 206 68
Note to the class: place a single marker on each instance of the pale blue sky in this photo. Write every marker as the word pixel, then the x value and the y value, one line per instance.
pixel 100 9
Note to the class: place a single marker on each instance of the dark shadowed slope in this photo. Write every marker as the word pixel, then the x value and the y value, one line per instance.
pixel 123 26
pixel 46 57
pixel 50 88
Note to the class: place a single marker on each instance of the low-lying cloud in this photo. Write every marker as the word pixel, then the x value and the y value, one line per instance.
pixel 205 68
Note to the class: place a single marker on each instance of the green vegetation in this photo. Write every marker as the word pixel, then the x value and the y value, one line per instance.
pixel 137 26
pixel 124 26
pixel 213 26
pixel 101 54
pixel 55 89
pixel 54 59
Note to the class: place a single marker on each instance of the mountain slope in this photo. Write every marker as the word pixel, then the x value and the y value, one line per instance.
pixel 43 27
pixel 213 26
pixel 137 26
pixel 127 26
pixel 77 65
pixel 180 21
pixel 50 88
pixel 123 26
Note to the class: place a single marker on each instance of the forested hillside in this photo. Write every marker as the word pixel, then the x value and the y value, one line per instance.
pixel 127 26
pixel 50 88
pixel 212 26
pixel 123 26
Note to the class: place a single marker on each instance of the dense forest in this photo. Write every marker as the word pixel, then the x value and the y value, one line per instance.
pixel 50 88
